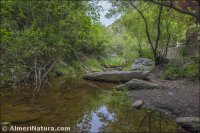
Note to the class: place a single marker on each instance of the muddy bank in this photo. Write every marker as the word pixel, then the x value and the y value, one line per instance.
pixel 180 97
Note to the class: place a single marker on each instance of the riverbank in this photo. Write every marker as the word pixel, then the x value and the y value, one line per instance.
pixel 178 97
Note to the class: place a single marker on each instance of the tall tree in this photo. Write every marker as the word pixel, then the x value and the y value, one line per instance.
pixel 159 59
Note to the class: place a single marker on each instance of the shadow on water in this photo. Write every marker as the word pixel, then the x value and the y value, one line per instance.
pixel 81 105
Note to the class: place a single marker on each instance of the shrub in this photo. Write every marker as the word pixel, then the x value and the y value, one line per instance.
pixel 94 65
pixel 191 70
pixel 173 72
pixel 114 61
pixel 147 53
pixel 187 71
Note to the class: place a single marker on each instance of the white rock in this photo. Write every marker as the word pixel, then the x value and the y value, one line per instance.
pixel 5 123
pixel 170 93
pixel 137 104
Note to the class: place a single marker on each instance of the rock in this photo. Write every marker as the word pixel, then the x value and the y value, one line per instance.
pixel 138 84
pixel 5 123
pixel 171 93
pixel 116 76
pixel 137 104
pixel 143 64
pixel 189 123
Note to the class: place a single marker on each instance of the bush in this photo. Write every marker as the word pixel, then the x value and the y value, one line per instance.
pixel 187 71
pixel 147 53
pixel 94 65
pixel 114 61
pixel 72 69
pixel 191 70
pixel 173 72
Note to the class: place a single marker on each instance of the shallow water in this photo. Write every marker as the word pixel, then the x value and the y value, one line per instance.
pixel 81 105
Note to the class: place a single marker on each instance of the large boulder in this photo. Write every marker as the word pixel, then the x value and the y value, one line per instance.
pixel 190 123
pixel 143 64
pixel 138 84
pixel 116 76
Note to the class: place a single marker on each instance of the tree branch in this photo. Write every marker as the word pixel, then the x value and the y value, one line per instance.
pixel 171 5
pixel 146 25
pixel 159 31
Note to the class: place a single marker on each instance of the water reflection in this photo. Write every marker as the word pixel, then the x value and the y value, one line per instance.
pixel 81 105
pixel 95 120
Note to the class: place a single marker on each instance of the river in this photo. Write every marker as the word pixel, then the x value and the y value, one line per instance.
pixel 82 105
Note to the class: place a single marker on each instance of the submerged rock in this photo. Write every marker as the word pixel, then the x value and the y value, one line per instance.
pixel 20 117
pixel 116 76
pixel 137 104
pixel 138 84
pixel 189 123
pixel 20 114
pixel 143 64
pixel 5 123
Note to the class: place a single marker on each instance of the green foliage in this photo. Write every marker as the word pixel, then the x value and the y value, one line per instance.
pixel 187 71
pixel 173 26
pixel 114 61
pixel 120 98
pixel 33 34
pixel 120 49
pixel 173 72
pixel 72 69
pixel 147 53
pixel 191 70
pixel 93 65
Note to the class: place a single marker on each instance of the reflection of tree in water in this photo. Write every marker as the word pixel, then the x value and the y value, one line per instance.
pixel 113 113
pixel 84 124
pixel 125 119
pixel 133 120
pixel 156 121
pixel 143 120
pixel 95 120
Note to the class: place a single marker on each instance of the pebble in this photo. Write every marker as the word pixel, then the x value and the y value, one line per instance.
pixel 5 123
pixel 170 93
pixel 137 104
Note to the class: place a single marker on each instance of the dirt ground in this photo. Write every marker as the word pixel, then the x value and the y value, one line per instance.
pixel 179 97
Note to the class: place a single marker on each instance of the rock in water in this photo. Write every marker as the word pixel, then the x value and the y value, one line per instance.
pixel 138 84
pixel 137 104
pixel 143 64
pixel 5 123
pixel 189 123
pixel 116 76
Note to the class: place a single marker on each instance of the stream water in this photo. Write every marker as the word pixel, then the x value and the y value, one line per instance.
pixel 81 105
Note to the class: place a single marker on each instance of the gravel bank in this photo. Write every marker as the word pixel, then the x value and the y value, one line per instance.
pixel 179 97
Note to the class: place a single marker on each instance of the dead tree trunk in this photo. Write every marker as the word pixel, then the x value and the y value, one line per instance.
pixel 41 74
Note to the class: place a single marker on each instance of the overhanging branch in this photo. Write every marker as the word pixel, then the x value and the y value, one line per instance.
pixel 171 5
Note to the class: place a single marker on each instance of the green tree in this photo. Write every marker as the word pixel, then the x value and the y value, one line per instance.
pixel 161 25
pixel 36 35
